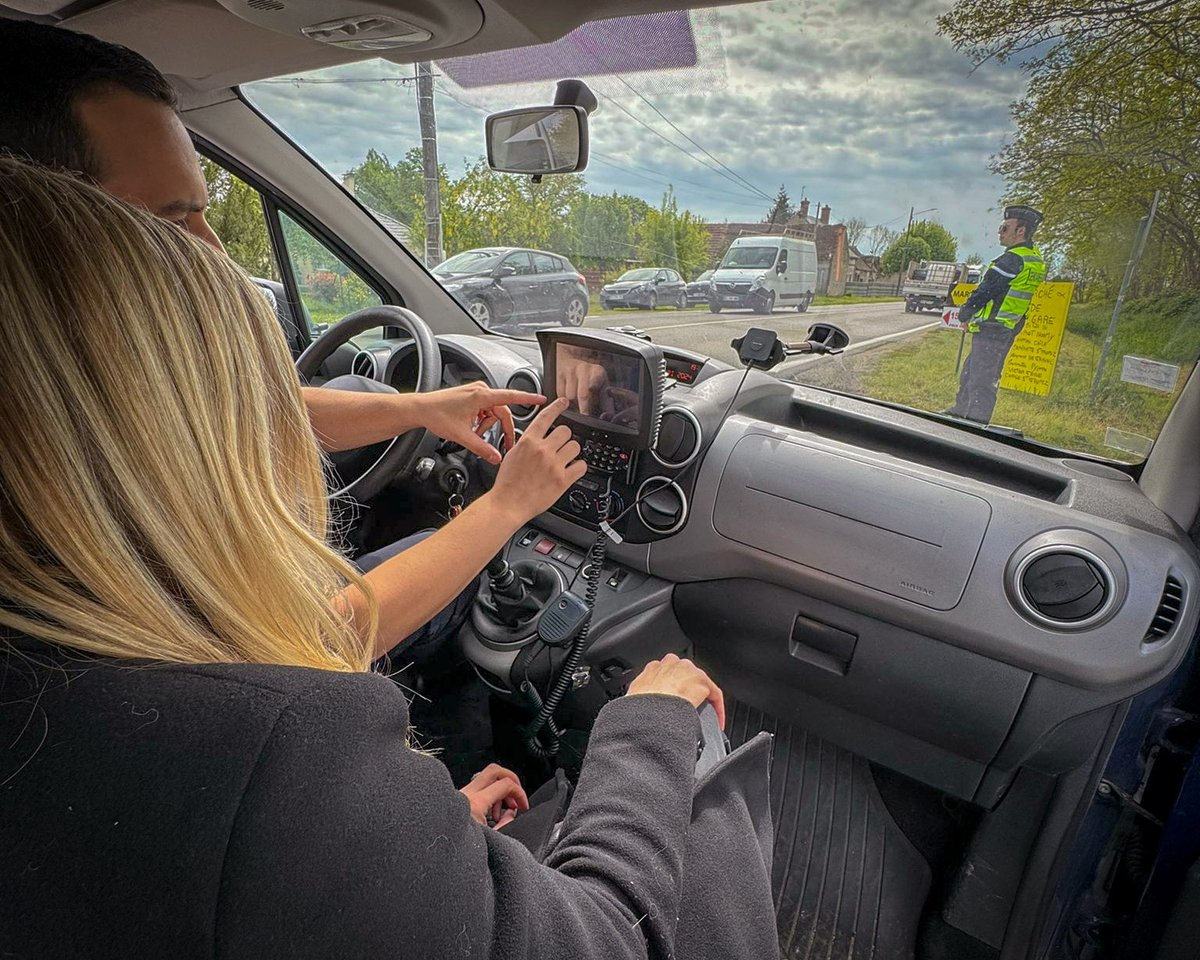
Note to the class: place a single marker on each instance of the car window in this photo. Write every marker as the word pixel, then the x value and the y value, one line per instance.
pixel 544 263
pixel 329 288
pixel 519 262
pixel 236 214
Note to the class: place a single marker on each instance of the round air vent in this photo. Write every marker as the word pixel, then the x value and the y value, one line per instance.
pixel 1066 587
pixel 363 365
pixel 661 505
pixel 679 438
pixel 530 382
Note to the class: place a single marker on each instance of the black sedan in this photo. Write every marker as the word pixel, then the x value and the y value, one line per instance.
pixel 647 288
pixel 698 290
pixel 512 285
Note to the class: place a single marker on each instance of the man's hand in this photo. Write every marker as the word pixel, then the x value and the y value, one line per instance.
pixel 581 381
pixel 540 468
pixel 496 794
pixel 464 414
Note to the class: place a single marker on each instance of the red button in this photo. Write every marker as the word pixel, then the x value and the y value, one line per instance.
pixel 544 546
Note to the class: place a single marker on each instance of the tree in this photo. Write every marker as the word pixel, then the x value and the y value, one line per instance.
pixel 974 259
pixel 904 251
pixel 1111 115
pixel 781 210
pixel 396 189
pixel 484 208
pixel 668 237
pixel 942 244
pixel 601 230
pixel 856 227
pixel 878 239
pixel 235 213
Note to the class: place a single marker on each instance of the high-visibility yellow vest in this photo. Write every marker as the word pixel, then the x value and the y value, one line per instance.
pixel 1015 305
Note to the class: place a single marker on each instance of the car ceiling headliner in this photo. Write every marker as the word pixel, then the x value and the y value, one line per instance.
pixel 211 48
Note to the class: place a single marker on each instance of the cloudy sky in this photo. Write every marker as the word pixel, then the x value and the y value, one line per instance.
pixel 851 103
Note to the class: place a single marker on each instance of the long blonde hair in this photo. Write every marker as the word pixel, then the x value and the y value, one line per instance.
pixel 161 489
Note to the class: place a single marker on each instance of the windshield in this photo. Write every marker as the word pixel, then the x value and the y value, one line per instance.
pixel 875 144
pixel 473 261
pixel 749 257
pixel 638 275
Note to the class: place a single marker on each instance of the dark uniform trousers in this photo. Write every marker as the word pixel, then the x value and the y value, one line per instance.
pixel 981 374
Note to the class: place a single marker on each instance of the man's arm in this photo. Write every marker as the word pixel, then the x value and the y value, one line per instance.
pixel 414 585
pixel 993 287
pixel 345 419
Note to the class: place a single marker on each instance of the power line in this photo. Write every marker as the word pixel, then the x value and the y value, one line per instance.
pixel 611 161
pixel 654 175
pixel 691 156
pixel 674 127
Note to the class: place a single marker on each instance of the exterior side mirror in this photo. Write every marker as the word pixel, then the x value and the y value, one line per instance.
pixel 505 271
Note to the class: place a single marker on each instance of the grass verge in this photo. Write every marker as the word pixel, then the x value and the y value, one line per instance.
pixel 919 372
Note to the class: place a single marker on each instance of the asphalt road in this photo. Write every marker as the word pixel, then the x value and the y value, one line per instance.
pixel 867 324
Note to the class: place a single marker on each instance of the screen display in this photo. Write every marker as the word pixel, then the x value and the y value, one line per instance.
pixel 603 386
pixel 682 371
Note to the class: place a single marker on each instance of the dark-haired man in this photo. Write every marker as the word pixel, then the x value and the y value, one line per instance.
pixel 74 102
pixel 995 313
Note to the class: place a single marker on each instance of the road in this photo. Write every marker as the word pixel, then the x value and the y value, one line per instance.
pixel 709 334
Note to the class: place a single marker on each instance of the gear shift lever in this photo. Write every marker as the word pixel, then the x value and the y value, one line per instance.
pixel 511 602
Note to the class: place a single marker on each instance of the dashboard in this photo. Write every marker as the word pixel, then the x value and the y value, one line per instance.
pixel 936 600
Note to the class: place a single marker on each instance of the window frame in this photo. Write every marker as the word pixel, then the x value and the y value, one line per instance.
pixel 274 202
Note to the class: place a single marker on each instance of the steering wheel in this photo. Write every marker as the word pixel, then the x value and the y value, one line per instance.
pixel 400 453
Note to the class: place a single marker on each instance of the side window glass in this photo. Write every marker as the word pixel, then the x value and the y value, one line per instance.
pixel 544 263
pixel 329 289
pixel 520 263
pixel 235 213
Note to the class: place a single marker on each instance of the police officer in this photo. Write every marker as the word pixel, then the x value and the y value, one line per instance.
pixel 995 313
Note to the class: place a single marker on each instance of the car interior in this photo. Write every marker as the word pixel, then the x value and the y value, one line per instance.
pixel 974 650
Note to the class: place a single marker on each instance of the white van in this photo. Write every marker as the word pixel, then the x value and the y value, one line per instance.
pixel 762 273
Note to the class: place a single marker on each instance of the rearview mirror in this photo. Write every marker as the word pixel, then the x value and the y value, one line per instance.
pixel 538 140
pixel 828 336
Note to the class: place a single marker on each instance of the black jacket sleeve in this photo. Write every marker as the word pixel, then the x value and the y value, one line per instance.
pixel 348 843
pixel 994 285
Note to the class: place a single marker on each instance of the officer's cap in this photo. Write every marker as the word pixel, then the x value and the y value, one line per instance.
pixel 1023 213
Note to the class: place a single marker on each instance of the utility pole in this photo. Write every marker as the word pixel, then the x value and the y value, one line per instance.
pixel 1139 245
pixel 904 271
pixel 429 165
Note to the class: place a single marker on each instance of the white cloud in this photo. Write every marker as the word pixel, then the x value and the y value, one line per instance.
pixel 862 106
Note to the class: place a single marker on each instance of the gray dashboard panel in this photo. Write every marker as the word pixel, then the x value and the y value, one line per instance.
pixel 879 526
pixel 1110 656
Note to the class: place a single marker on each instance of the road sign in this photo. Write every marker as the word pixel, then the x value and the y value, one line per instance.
pixel 1034 354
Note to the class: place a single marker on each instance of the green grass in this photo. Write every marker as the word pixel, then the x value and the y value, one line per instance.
pixel 823 301
pixel 919 372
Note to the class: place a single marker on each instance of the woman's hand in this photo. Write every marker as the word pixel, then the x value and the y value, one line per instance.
pixel 679 678
pixel 496 794
pixel 538 469
pixel 465 413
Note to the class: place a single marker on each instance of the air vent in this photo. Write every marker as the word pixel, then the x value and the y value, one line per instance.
pixel 1065 587
pixel 264 4
pixel 1167 615
pixel 363 365
pixel 661 505
pixel 528 381
pixel 679 438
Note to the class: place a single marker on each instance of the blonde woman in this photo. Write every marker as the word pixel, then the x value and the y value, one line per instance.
pixel 194 758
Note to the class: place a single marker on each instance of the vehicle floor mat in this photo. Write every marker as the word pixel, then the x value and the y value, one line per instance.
pixel 847 883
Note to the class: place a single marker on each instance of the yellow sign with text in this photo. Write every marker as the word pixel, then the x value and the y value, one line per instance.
pixel 1034 354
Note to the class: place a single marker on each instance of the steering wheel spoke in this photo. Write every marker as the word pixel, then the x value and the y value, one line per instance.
pixel 371 471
